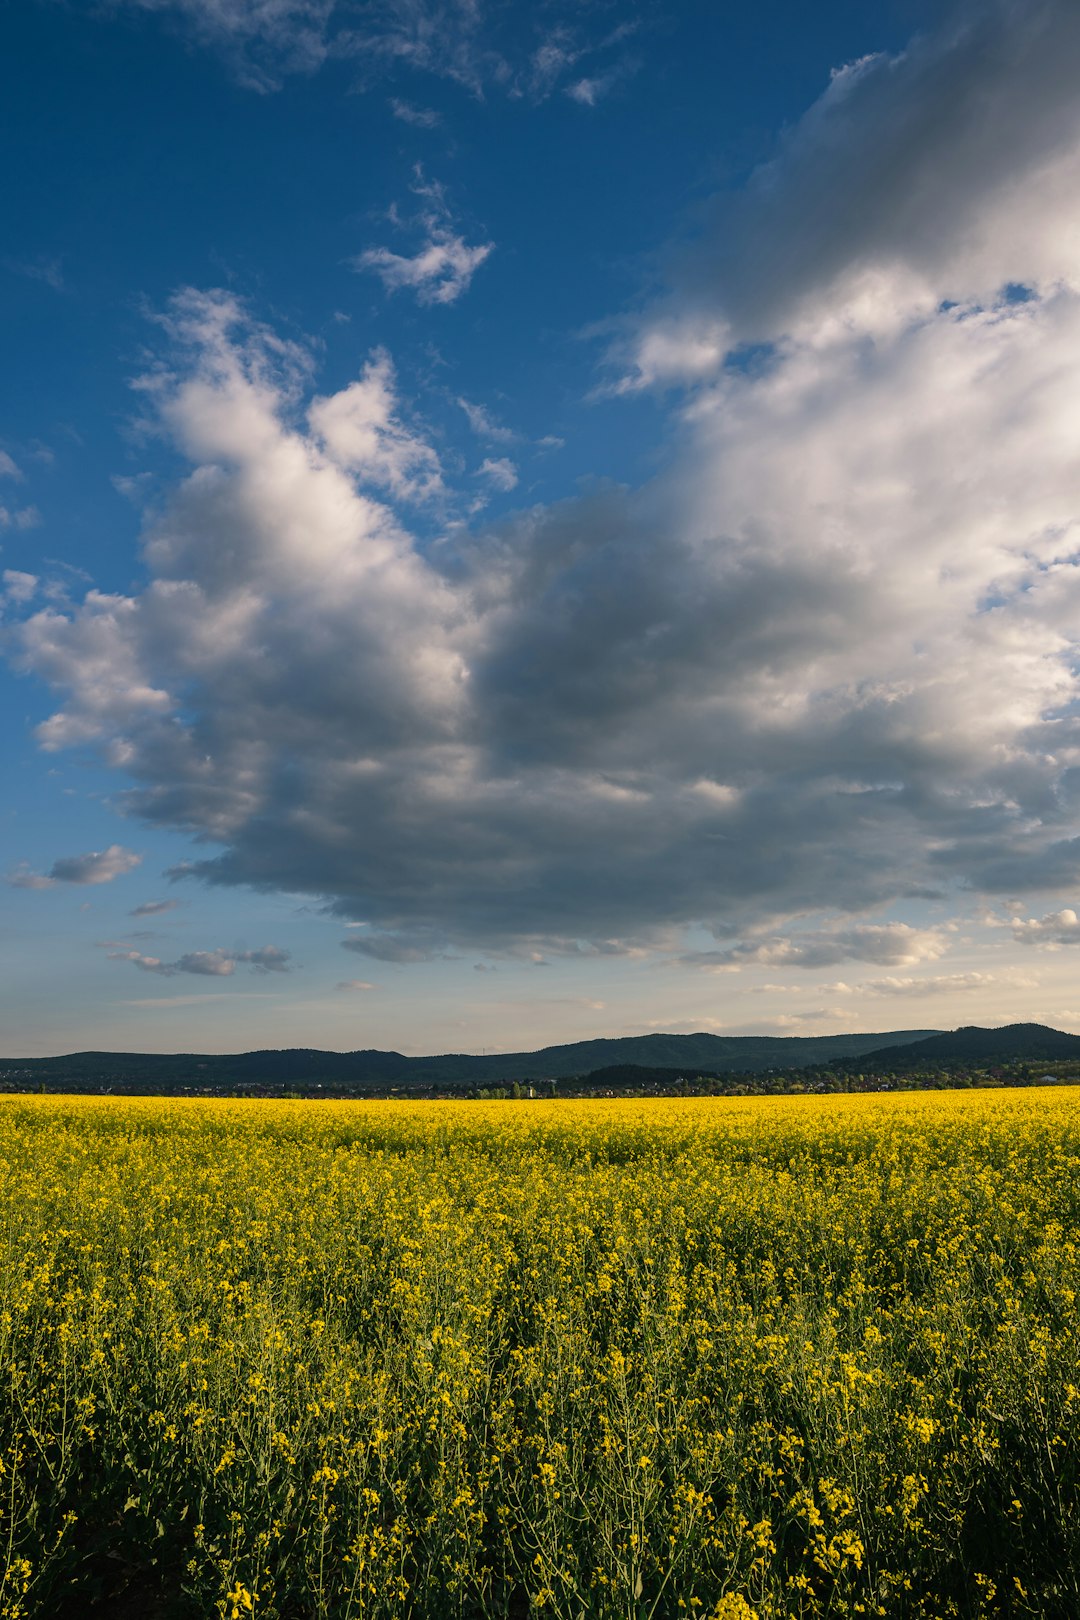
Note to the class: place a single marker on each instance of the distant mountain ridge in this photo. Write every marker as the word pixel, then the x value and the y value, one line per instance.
pixel 714 1054
pixel 375 1071
pixel 1029 1043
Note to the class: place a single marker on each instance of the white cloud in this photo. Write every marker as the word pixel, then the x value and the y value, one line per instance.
pixel 8 468
pixel 355 984
pixel 360 430
pixel 849 604
pixel 499 471
pixel 19 587
pixel 939 984
pixel 439 272
pixel 442 268
pixel 484 425
pixel 96 866
pixel 888 943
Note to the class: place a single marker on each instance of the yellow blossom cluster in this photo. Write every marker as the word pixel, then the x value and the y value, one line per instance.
pixel 733 1359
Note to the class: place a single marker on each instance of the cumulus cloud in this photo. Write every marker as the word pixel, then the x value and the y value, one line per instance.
pixel 823 663
pixel 360 430
pixel 96 866
pixel 1056 929
pixel 219 964
pixel 940 175
pixel 440 271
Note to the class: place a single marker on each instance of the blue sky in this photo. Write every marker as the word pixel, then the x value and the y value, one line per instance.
pixel 527 523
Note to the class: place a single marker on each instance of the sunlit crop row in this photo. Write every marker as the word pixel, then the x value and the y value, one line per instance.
pixel 783 1357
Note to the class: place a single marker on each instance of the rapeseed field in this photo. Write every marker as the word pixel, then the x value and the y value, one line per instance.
pixel 615 1360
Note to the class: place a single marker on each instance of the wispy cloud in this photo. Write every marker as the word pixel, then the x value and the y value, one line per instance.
pixel 499 471
pixel 217 964
pixel 887 943
pixel 418 117
pixel 441 269
pixel 484 424
pixel 43 267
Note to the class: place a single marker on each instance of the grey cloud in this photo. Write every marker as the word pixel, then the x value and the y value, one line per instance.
pixel 154 908
pixel 390 948
pixel 1055 929
pixel 218 964
pixel 914 179
pixel 96 866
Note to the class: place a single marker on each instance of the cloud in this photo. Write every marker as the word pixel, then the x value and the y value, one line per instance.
pixel 154 908
pixel 8 468
pixel 499 471
pixel 355 984
pixel 592 88
pixel 219 964
pixel 939 175
pixel 46 268
pixel 360 431
pixel 484 424
pixel 23 517
pixel 821 665
pixel 401 948
pixel 1052 931
pixel 261 39
pixel 97 866
pixel 888 943
pixel 468 42
pixel 419 117
pixel 443 267
pixel 19 587
pixel 940 984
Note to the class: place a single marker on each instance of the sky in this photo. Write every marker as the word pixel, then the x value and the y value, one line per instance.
pixel 520 524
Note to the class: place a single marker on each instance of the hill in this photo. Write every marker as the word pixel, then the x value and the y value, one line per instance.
pixel 383 1071
pixel 1013 1043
